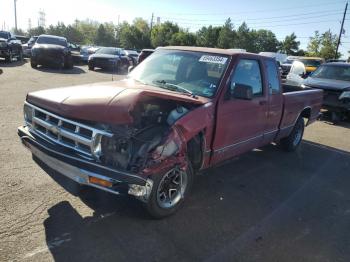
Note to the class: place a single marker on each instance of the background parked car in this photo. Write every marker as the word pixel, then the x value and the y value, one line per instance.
pixel 27 48
pixel 51 50
pixel 133 55
pixel 144 54
pixel 75 52
pixel 109 58
pixel 86 51
pixel 10 47
pixel 334 80
pixel 23 39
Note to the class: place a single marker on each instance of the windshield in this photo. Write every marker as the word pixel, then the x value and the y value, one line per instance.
pixel 333 72
pixel 196 72
pixel 310 62
pixel 52 40
pixel 4 35
pixel 108 51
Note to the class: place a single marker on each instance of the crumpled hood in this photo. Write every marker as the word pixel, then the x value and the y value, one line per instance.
pixel 327 84
pixel 108 102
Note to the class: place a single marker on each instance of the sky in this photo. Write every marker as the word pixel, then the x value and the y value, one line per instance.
pixel 281 17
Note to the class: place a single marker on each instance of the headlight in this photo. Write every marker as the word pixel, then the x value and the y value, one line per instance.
pixel 28 114
pixel 345 94
pixel 97 147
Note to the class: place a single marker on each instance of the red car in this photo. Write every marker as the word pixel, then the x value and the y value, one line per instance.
pixel 181 111
pixel 144 54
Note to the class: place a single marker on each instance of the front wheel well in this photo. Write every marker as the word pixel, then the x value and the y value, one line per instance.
pixel 195 151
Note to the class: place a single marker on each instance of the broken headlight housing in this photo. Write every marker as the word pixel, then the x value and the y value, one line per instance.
pixel 28 114
pixel 96 148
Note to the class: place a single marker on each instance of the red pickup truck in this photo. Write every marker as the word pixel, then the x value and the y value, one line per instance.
pixel 180 111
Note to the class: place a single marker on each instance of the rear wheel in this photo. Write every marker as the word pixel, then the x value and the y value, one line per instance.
pixel 291 142
pixel 169 192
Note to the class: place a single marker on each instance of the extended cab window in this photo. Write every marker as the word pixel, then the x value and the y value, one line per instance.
pixel 248 73
pixel 272 76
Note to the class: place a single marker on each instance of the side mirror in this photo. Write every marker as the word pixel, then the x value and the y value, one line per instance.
pixel 240 91
pixel 130 68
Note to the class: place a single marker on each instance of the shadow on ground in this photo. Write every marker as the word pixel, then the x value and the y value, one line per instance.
pixel 53 69
pixel 14 63
pixel 343 121
pixel 264 206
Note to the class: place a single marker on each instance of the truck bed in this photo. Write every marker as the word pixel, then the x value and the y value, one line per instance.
pixel 296 100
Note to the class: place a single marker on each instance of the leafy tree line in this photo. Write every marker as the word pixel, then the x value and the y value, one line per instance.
pixel 138 35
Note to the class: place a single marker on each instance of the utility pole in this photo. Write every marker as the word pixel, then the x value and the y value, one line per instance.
pixel 15 4
pixel 150 32
pixel 341 30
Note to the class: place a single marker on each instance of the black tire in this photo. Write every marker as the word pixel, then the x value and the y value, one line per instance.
pixel 91 66
pixel 68 63
pixel 33 64
pixel 20 56
pixel 291 142
pixel 154 206
pixel 9 58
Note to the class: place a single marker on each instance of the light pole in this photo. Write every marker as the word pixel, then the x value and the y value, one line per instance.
pixel 14 2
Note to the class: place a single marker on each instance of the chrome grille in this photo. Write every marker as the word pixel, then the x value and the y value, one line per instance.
pixel 65 132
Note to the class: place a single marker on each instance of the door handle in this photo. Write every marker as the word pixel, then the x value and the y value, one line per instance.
pixel 262 103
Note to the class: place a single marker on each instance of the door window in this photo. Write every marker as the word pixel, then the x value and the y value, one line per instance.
pixel 272 76
pixel 248 73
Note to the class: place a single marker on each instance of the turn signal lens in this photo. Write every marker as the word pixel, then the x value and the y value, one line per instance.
pixel 100 182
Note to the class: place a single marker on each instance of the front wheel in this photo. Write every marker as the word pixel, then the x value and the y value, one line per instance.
pixel 33 64
pixel 291 142
pixel 9 58
pixel 169 191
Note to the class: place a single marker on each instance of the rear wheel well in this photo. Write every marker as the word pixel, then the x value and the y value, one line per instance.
pixel 306 113
pixel 195 151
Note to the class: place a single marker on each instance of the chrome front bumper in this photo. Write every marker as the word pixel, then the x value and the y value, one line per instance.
pixel 80 170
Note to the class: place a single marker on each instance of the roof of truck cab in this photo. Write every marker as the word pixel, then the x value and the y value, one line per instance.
pixel 206 50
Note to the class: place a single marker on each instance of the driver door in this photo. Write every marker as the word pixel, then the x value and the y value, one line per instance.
pixel 241 123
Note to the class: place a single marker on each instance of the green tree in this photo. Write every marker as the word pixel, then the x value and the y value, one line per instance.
pixel 226 35
pixel 264 40
pixel 135 35
pixel 36 31
pixel 329 46
pixel 183 38
pixel 208 36
pixel 289 45
pixel 244 38
pixel 105 35
pixel 323 45
pixel 313 47
pixel 161 34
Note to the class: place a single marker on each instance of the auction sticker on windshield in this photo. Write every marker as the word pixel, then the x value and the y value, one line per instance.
pixel 213 59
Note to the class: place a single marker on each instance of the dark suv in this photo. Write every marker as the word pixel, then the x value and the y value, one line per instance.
pixel 51 50
pixel 10 47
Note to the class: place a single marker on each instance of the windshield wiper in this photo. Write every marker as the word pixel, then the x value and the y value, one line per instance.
pixel 176 87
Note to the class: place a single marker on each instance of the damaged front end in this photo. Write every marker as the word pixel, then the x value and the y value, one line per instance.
pixel 150 145
pixel 107 156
